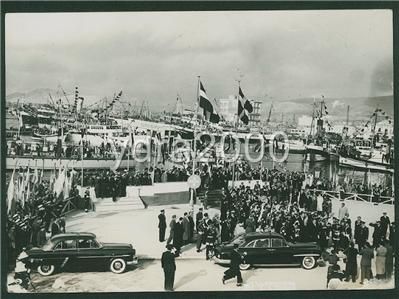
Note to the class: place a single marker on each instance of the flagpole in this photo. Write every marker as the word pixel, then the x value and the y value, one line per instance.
pixel 236 131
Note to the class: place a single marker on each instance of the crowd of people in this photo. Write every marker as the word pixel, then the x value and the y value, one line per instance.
pixel 185 230
pixel 32 223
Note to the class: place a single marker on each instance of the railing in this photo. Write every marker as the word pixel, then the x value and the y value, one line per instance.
pixel 370 198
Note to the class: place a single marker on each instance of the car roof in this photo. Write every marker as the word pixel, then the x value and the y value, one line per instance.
pixel 72 235
pixel 259 235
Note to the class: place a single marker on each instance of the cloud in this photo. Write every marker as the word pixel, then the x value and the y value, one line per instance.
pixel 153 56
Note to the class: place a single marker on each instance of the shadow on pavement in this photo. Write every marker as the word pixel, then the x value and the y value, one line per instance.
pixel 189 277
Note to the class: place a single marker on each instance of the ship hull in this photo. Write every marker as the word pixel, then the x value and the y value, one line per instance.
pixel 364 165
pixel 48 163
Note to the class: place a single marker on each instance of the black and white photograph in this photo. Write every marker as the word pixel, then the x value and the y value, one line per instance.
pixel 175 151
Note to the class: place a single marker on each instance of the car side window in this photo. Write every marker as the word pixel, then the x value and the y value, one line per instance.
pixel 87 243
pixel 262 243
pixel 278 242
pixel 66 244
pixel 250 244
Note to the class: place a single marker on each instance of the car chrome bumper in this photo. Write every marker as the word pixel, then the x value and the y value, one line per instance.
pixel 220 261
pixel 135 261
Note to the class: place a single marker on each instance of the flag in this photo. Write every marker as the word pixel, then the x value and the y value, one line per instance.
pixel 244 107
pixel 36 176
pixel 10 193
pixel 203 99
pixel 59 183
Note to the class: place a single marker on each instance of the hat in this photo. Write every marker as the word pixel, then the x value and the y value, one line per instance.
pixel 162 210
pixel 169 247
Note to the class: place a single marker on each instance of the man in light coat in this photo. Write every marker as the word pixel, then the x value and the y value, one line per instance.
pixel 343 210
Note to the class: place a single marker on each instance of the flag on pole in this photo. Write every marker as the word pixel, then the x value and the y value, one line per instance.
pixel 209 107
pixel 244 107
pixel 11 193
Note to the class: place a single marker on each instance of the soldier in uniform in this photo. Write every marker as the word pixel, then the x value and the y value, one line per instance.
pixel 336 230
pixel 210 238
pixel 162 225
pixel 169 267
pixel 198 217
pixel 234 270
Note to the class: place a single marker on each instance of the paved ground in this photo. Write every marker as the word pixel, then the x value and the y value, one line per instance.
pixel 191 275
pixel 194 273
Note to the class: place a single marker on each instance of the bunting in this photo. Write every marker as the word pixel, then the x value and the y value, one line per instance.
pixel 114 100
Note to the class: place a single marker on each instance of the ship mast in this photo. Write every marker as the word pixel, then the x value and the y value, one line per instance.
pixel 270 113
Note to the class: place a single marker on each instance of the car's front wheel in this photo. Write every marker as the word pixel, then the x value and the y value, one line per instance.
pixel 118 266
pixel 308 262
pixel 244 266
pixel 46 270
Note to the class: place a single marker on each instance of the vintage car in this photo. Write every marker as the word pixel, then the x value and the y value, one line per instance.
pixel 268 248
pixel 82 251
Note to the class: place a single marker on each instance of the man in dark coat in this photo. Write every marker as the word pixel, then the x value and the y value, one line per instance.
pixel 385 222
pixel 363 236
pixel 171 229
pixel 162 226
pixel 55 229
pixel 178 236
pixel 234 269
pixel 169 267
pixel 377 234
pixel 192 225
pixel 186 229
pixel 388 260
pixel 351 262
pixel 358 228
pixel 198 218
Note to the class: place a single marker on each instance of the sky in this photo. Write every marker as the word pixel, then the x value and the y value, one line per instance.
pixel 154 56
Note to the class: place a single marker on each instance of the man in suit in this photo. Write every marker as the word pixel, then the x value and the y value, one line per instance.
pixel 234 269
pixel 367 254
pixel 169 267
pixel 192 225
pixel 171 229
pixel 343 210
pixel 363 236
pixel 186 229
pixel 162 225
pixel 178 236
pixel 377 234
pixel 358 228
pixel 198 218
pixel 385 222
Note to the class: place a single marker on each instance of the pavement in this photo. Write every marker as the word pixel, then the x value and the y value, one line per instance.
pixel 137 227
pixel 192 275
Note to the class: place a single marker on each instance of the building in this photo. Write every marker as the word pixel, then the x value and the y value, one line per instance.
pixel 254 117
pixel 228 108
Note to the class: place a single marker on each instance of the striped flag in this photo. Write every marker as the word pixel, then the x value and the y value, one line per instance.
pixel 244 107
pixel 209 107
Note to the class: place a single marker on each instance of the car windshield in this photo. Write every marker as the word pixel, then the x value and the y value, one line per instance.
pixel 239 239
pixel 48 246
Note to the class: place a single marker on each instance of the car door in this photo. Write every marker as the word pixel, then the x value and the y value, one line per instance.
pixel 257 251
pixel 281 253
pixel 248 253
pixel 263 252
pixel 66 253
pixel 89 255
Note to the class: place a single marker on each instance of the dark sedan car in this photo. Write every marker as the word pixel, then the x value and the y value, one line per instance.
pixel 81 250
pixel 269 248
